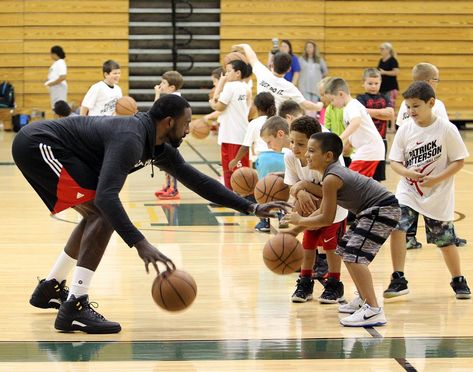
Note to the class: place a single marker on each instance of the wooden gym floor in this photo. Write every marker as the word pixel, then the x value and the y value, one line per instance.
pixel 243 318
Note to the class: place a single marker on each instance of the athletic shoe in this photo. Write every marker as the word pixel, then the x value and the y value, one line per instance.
pixel 304 289
pixel 77 314
pixel 365 316
pixel 352 306
pixel 333 292
pixel 460 286
pixel 320 268
pixel 282 224
pixel 412 243
pixel 397 287
pixel 162 191
pixel 49 294
pixel 459 242
pixel 170 194
pixel 263 225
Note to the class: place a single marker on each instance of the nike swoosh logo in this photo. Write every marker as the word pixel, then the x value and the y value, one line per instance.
pixel 327 240
pixel 368 317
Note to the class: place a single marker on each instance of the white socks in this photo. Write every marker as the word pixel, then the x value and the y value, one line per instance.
pixel 80 282
pixel 62 267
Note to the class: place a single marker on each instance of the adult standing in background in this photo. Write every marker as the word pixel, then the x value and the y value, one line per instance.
pixel 56 83
pixel 293 74
pixel 313 70
pixel 389 68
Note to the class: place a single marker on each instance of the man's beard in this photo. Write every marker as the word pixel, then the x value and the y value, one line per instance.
pixel 175 143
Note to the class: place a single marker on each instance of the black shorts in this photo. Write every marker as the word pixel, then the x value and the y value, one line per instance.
pixel 58 176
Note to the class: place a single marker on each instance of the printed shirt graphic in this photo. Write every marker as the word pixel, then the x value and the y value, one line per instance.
pixel 101 99
pixel 280 88
pixel 366 140
pixel 429 150
pixel 375 101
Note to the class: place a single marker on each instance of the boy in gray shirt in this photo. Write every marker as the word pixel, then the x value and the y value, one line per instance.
pixel 377 214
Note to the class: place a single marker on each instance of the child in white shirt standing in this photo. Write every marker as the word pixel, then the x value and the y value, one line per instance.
pixel 102 97
pixel 360 132
pixel 232 93
pixel 427 152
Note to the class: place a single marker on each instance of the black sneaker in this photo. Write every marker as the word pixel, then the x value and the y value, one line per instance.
pixel 397 287
pixel 49 294
pixel 77 314
pixel 460 287
pixel 320 269
pixel 263 225
pixel 333 292
pixel 304 289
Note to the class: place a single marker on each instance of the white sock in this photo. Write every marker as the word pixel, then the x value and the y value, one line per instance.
pixel 80 282
pixel 62 267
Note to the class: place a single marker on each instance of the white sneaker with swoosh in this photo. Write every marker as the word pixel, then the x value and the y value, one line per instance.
pixel 365 316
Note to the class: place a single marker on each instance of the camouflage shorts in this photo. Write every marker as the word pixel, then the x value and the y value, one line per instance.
pixel 440 233
pixel 368 233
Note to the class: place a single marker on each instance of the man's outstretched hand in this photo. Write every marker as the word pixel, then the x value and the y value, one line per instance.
pixel 269 209
pixel 151 255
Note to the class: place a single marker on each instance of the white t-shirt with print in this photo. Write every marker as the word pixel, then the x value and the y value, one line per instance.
pixel 295 172
pixel 438 110
pixel 253 139
pixel 101 99
pixel 280 88
pixel 366 140
pixel 234 119
pixel 429 150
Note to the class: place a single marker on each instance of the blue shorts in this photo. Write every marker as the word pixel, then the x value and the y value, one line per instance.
pixel 268 162
pixel 440 233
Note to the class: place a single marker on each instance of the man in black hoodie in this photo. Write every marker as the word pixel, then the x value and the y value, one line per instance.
pixel 83 162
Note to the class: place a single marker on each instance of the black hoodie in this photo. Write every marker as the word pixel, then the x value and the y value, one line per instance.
pixel 113 147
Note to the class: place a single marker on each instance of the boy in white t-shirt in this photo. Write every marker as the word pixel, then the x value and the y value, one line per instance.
pixel 304 182
pixel 232 102
pixel 273 80
pixel 427 152
pixel 360 132
pixel 430 74
pixel 171 83
pixel 102 97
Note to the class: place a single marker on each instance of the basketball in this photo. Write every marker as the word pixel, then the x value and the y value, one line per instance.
pixel 298 209
pixel 234 56
pixel 244 180
pixel 271 188
pixel 126 106
pixel 199 128
pixel 174 290
pixel 283 254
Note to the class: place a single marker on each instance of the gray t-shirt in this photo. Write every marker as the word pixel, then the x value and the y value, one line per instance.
pixel 359 192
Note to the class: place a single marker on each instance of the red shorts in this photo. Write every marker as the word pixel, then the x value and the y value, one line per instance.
pixel 326 237
pixel 228 153
pixel 365 167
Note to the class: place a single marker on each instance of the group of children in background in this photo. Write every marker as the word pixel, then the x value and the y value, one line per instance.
pixel 338 157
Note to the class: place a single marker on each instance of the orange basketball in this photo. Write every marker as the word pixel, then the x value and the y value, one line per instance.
pixel 244 180
pixel 126 106
pixel 234 56
pixel 199 128
pixel 174 290
pixel 271 188
pixel 298 209
pixel 283 254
